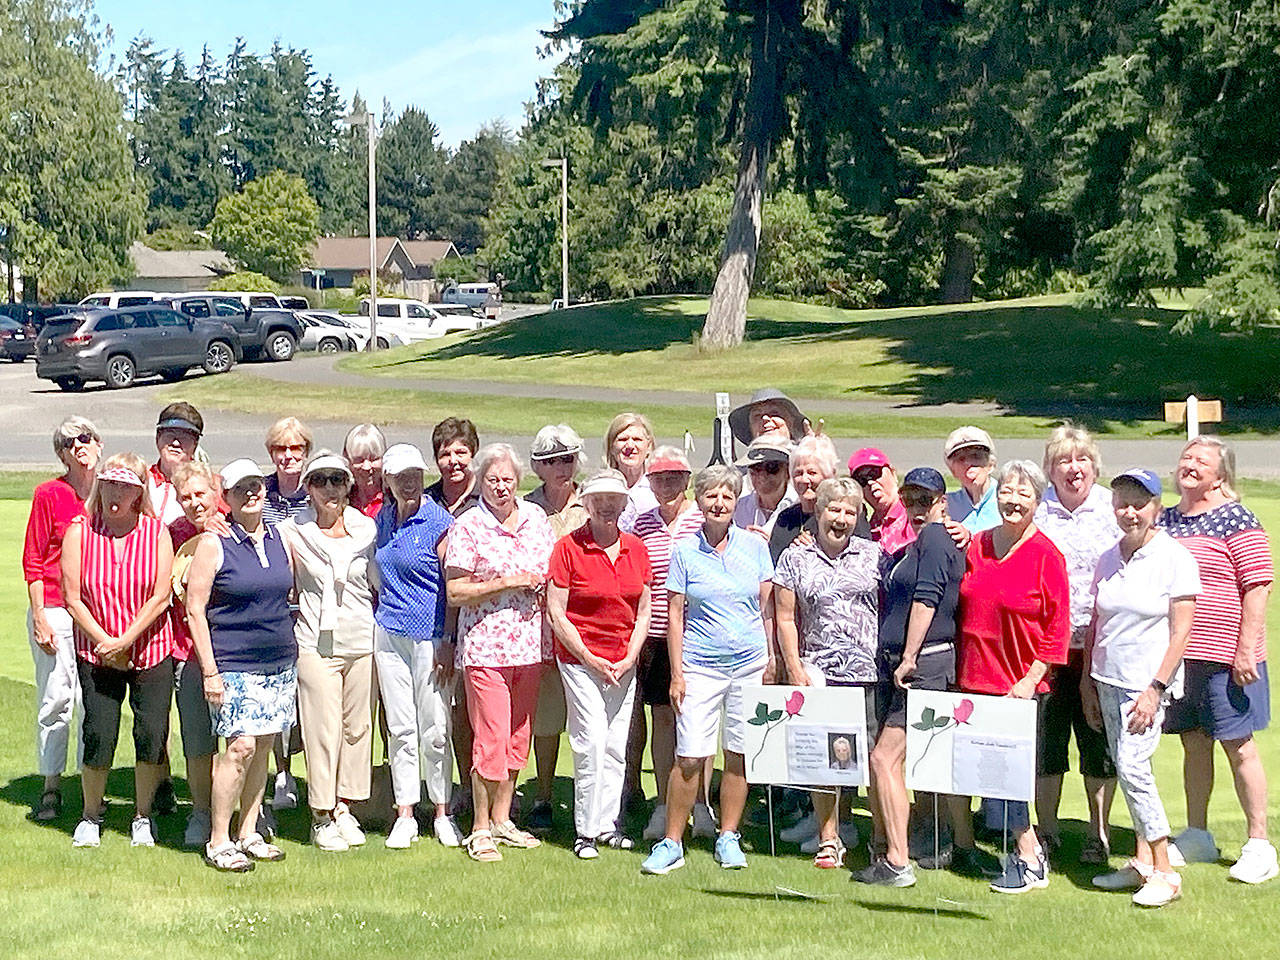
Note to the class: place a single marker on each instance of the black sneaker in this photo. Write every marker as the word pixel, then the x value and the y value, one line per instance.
pixel 939 861
pixel 882 873
pixel 164 802
pixel 1020 876
pixel 972 862
pixel 617 840
pixel 540 818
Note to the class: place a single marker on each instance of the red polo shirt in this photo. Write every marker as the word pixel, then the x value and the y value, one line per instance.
pixel 1012 612
pixel 604 594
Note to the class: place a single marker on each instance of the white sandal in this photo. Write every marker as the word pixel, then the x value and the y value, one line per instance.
pixel 228 858
pixel 256 848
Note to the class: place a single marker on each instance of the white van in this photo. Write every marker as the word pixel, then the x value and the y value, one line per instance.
pixel 484 295
pixel 119 298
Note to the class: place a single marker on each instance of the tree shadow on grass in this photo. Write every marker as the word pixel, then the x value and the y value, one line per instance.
pixel 25 792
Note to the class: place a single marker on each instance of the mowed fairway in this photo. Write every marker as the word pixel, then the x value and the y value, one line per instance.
pixel 116 902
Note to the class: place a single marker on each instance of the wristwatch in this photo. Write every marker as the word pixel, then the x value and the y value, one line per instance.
pixel 1160 686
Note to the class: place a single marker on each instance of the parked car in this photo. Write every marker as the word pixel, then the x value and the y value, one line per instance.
pixel 17 340
pixel 389 335
pixel 295 303
pixel 329 333
pixel 460 318
pixel 268 332
pixel 421 321
pixel 119 298
pixel 479 295
pixel 37 313
pixel 118 346
pixel 254 299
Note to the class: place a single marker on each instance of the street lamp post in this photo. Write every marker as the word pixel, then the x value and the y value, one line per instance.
pixel 563 164
pixel 368 117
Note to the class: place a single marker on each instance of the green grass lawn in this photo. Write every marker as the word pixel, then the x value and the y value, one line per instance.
pixel 1036 357
pixel 428 902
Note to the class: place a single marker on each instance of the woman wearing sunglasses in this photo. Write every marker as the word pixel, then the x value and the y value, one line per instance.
pixel 766 463
pixel 54 505
pixel 332 544
pixel 238 613
pixel 556 457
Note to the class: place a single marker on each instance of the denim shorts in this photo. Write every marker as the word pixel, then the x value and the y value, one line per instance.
pixel 1216 704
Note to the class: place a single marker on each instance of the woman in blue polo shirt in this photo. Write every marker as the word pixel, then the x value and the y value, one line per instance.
pixel 412 652
pixel 718 583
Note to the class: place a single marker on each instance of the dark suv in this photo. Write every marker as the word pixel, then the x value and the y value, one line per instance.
pixel 21 322
pixel 117 346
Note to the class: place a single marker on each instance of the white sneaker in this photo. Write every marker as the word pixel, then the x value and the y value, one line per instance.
pixel 446 832
pixel 802 829
pixel 403 833
pixel 198 829
pixel 1257 862
pixel 704 822
pixel 285 794
pixel 656 828
pixel 88 834
pixel 326 836
pixel 1160 888
pixel 1197 846
pixel 142 833
pixel 348 826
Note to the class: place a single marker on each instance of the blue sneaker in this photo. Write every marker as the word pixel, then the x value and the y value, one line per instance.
pixel 729 851
pixel 667 855
pixel 1021 877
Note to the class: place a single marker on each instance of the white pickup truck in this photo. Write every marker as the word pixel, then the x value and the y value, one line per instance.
pixel 414 320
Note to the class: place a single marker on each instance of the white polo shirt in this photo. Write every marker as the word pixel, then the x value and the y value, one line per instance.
pixel 1133 611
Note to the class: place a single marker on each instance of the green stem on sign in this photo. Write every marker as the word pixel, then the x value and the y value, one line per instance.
pixel 925 751
pixel 763 740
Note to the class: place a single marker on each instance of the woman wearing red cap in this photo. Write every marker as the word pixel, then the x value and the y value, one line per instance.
pixel 890 525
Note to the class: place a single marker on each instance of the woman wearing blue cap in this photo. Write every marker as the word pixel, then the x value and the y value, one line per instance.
pixel 1146 588
pixel 917 650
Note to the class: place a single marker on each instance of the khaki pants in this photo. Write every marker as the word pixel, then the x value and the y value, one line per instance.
pixel 335 707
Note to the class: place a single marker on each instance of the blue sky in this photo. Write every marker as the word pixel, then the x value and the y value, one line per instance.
pixel 464 63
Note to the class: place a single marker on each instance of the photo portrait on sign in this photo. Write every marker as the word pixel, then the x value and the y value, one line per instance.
pixel 841 751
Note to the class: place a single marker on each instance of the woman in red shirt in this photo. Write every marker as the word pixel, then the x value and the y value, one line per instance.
pixel 1015 623
pixel 116 566
pixel 54 505
pixel 598 607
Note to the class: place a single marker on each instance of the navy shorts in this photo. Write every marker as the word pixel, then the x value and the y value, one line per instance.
pixel 653 672
pixel 934 671
pixel 1216 704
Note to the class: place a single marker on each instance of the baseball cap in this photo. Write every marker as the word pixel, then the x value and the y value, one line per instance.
pixel 238 470
pixel 1146 479
pixel 867 457
pixel 962 437
pixel 926 478
pixel 766 449
pixel 400 457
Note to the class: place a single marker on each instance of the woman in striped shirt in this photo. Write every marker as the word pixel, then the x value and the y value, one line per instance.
pixel 116 564
pixel 1227 697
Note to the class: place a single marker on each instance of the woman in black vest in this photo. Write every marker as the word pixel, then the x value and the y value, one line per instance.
pixel 238 612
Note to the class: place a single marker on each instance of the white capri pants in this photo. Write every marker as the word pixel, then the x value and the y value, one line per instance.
pixel 416 707
pixel 599 720
pixel 57 693
pixel 707 694
pixel 1132 753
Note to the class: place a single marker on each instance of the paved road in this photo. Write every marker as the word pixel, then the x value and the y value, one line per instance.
pixel 31 408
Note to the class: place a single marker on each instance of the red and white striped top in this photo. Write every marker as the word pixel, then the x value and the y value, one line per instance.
pixel 114 588
pixel 1233 554
pixel 659 541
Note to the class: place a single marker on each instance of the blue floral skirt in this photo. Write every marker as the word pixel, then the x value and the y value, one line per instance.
pixel 256 704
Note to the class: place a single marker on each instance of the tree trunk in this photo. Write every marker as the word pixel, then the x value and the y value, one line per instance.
pixel 726 322
pixel 959 264
pixel 8 262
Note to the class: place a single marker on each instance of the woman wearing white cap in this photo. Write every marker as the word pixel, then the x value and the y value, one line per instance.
pixel 556 457
pixel 598 607
pixel 413 649
pixel 116 562
pixel 971 458
pixel 332 544
pixel 238 613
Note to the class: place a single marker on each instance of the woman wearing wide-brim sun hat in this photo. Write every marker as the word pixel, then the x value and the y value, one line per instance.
pixel 768 411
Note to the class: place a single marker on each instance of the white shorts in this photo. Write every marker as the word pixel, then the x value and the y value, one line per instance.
pixel 708 693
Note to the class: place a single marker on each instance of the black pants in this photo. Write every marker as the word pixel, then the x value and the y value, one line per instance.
pixel 104 689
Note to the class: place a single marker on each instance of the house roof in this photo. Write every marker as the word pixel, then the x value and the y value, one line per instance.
pixel 350 253
pixel 428 252
pixel 177 264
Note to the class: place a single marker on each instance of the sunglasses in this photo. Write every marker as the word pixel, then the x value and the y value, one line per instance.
pixel 919 499
pixel 564 460
pixel 296 448
pixel 334 479
pixel 864 477
pixel 772 468
pixel 66 443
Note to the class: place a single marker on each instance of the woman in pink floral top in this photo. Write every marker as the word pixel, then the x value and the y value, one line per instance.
pixel 496 567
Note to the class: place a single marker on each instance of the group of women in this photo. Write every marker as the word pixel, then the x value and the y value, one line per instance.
pixel 478 624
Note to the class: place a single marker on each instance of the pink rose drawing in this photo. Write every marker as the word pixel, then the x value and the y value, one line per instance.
pixel 764 717
pixel 929 720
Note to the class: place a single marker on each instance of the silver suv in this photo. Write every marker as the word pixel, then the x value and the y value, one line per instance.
pixel 118 346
